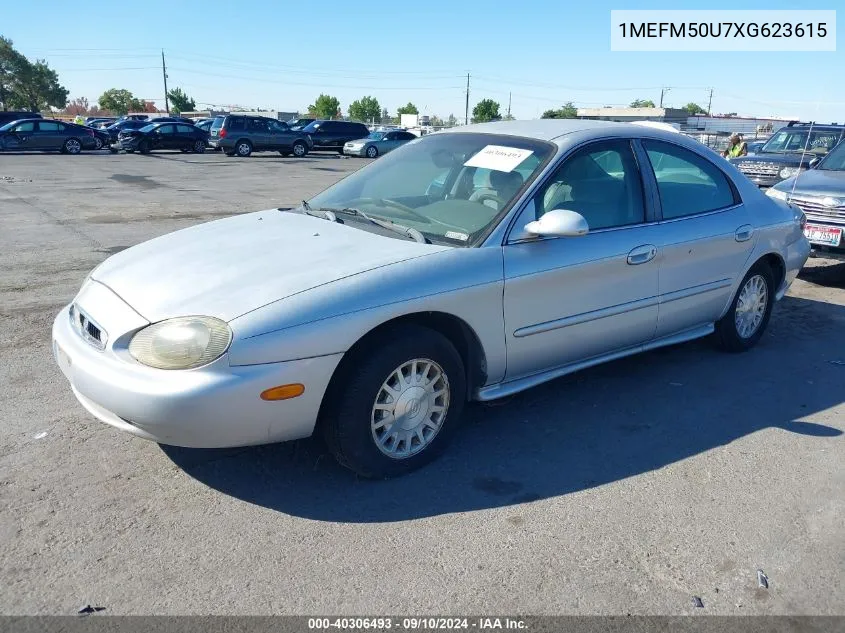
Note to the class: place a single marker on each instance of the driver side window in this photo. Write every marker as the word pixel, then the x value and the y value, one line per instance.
pixel 601 182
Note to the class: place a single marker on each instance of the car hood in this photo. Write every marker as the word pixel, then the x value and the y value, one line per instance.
pixel 817 182
pixel 229 267
pixel 785 159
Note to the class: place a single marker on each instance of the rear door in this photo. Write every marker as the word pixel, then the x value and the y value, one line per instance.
pixel 49 135
pixel 21 136
pixel 705 236
pixel 165 137
pixel 186 135
pixel 280 137
pixel 259 132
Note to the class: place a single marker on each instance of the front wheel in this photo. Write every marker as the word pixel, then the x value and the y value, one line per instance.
pixel 243 149
pixel 372 151
pixel 199 147
pixel 746 320
pixel 98 142
pixel 299 149
pixel 392 408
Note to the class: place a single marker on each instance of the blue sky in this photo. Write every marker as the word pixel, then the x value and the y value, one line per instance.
pixel 281 55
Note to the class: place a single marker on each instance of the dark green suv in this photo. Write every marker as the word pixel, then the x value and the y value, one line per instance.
pixel 241 135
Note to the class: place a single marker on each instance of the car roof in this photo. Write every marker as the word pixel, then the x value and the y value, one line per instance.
pixel 555 129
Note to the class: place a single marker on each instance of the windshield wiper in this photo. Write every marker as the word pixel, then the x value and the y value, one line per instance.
pixel 407 231
pixel 326 214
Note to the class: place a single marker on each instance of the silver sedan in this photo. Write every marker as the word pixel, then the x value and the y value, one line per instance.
pixel 466 265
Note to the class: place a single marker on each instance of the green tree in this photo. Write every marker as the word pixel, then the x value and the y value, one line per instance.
pixel 325 107
pixel 642 103
pixel 694 108
pixel 486 110
pixel 410 108
pixel 180 102
pixel 11 63
pixel 451 121
pixel 365 109
pixel 567 111
pixel 37 88
pixel 120 101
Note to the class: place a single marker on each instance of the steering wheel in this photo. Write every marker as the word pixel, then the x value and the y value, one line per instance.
pixel 491 196
pixel 386 202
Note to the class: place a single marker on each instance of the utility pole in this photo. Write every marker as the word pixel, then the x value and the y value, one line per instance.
pixel 662 91
pixel 710 102
pixel 509 105
pixel 466 112
pixel 164 76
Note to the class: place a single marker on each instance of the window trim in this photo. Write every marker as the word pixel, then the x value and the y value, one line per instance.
pixel 650 217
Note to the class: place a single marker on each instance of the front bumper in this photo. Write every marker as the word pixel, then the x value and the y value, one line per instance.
pixel 128 143
pixel 355 151
pixel 210 407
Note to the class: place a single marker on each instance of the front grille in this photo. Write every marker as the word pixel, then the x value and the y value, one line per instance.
pixel 754 168
pixel 815 210
pixel 87 329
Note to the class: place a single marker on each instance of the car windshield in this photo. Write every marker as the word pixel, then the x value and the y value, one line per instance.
pixel 149 128
pixel 7 126
pixel 835 160
pixel 375 136
pixel 453 188
pixel 794 141
pixel 311 127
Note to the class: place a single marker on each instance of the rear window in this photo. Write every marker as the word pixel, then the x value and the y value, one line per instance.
pixel 235 123
pixel 217 123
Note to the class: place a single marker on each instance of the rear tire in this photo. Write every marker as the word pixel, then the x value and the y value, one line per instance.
pixel 243 148
pixel 199 147
pixel 367 390
pixel 72 146
pixel 745 321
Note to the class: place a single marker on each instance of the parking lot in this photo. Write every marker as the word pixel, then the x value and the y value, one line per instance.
pixel 634 487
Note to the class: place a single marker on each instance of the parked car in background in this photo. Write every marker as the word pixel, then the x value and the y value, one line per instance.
pixel 333 135
pixel 205 124
pixel 374 311
pixel 788 152
pixel 102 139
pixel 241 135
pixel 377 143
pixel 114 130
pixel 97 122
pixel 159 136
pixel 46 135
pixel 754 147
pixel 171 119
pixel 820 194
pixel 17 115
pixel 298 124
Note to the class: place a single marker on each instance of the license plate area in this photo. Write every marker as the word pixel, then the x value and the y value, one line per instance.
pixel 825 235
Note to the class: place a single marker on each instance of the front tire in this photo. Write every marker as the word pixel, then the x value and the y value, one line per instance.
pixel 299 149
pixel 372 151
pixel 393 408
pixel 98 142
pixel 746 320
pixel 199 147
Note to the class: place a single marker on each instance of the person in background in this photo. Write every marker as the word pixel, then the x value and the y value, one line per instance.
pixel 79 120
pixel 736 147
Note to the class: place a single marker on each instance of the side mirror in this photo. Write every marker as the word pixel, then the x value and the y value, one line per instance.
pixel 815 162
pixel 558 223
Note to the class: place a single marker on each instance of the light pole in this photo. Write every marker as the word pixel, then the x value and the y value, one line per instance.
pixel 662 92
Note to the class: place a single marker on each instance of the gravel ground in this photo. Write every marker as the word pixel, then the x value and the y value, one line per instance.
pixel 629 488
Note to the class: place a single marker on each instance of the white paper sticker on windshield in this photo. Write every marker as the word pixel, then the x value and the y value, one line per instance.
pixel 455 235
pixel 499 157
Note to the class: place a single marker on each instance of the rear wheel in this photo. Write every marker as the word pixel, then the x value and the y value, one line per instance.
pixel 392 408
pixel 299 149
pixel 746 320
pixel 72 146
pixel 199 147
pixel 243 148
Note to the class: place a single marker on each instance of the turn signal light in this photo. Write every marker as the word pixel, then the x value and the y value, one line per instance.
pixel 222 133
pixel 283 392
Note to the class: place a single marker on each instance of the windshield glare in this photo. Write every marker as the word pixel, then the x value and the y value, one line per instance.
pixel 835 160
pixel 149 128
pixel 375 136
pixel 794 141
pixel 450 187
pixel 7 126
pixel 311 127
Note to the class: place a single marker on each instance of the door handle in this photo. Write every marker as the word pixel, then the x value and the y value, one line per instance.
pixel 744 233
pixel 642 254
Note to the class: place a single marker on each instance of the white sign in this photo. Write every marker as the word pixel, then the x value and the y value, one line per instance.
pixel 499 157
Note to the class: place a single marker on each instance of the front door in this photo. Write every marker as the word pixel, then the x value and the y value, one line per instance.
pixel 569 299
pixel 705 237
pixel 21 137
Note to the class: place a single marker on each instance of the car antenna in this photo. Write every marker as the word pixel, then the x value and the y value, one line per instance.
pixel 803 154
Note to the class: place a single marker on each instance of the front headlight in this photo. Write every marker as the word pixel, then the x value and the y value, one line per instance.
pixel 776 193
pixel 181 343
pixel 789 172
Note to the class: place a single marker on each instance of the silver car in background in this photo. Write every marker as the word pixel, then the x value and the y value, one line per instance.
pixel 467 265
pixel 377 143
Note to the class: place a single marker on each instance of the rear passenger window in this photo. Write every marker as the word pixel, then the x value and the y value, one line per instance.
pixel 236 125
pixel 48 126
pixel 258 125
pixel 688 184
pixel 184 129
